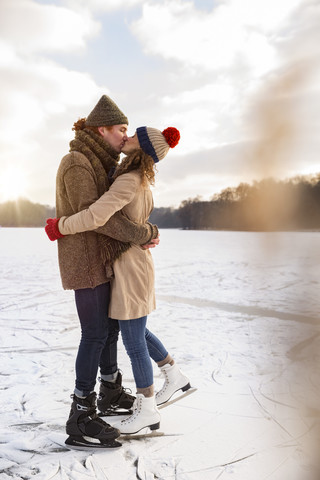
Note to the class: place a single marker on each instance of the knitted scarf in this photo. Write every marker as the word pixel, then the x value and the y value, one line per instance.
pixel 103 158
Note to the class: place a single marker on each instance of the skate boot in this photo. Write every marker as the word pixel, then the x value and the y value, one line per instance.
pixel 145 414
pixel 86 429
pixel 174 381
pixel 113 399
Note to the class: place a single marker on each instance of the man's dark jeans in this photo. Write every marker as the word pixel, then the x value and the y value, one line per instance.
pixel 99 337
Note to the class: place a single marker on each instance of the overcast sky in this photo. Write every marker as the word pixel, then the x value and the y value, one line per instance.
pixel 238 78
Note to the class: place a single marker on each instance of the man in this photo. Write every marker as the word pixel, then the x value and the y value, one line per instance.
pixel 85 262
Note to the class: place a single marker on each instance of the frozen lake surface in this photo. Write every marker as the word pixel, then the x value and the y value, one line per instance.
pixel 240 314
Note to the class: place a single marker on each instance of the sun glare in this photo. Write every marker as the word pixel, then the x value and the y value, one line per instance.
pixel 12 184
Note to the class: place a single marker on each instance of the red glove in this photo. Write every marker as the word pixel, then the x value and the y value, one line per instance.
pixel 52 229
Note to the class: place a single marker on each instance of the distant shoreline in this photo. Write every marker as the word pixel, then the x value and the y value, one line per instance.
pixel 199 229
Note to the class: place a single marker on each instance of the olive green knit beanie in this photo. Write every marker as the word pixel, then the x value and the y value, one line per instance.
pixel 106 113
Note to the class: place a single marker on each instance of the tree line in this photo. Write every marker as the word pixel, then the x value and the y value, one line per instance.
pixel 266 205
pixel 23 213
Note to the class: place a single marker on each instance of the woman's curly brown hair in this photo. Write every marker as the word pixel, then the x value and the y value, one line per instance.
pixel 140 161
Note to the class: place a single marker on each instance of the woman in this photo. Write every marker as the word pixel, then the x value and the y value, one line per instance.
pixel 132 289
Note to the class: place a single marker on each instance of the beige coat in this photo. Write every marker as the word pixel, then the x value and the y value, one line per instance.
pixel 132 289
pixel 80 261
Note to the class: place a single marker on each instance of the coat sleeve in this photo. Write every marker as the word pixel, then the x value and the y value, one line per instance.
pixel 81 192
pixel 121 192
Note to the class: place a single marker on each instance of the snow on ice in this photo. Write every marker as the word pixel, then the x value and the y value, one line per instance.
pixel 239 312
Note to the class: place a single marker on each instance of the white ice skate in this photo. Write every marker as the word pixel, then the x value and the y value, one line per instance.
pixel 145 414
pixel 174 380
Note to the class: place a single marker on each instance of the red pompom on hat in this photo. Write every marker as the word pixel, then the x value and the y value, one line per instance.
pixel 172 136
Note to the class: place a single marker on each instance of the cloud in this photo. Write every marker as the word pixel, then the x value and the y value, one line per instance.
pixel 103 5
pixel 232 33
pixel 35 86
pixel 40 98
pixel 220 56
pixel 213 74
pixel 235 66
pixel 41 103
pixel 208 172
pixel 44 28
pixel 201 173
pixel 205 115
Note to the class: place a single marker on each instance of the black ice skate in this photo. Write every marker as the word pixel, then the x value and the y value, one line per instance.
pixel 113 399
pixel 86 429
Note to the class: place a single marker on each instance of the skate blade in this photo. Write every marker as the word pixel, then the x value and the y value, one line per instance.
pixel 83 443
pixel 143 436
pixel 138 435
pixel 115 412
pixel 176 399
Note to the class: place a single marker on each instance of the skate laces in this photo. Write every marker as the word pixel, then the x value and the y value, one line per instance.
pixel 126 390
pixel 134 406
pixel 94 416
pixel 164 375
pixel 133 414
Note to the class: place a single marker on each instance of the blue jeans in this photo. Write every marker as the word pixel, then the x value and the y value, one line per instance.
pixel 141 344
pixel 99 337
